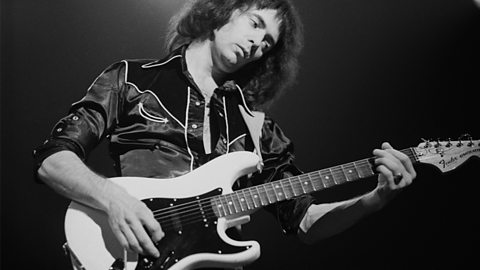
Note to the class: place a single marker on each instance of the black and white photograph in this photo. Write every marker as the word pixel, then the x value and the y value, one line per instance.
pixel 239 134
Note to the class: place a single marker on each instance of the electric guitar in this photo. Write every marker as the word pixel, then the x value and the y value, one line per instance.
pixel 197 208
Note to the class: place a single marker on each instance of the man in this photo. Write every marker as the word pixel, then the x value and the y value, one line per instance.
pixel 165 118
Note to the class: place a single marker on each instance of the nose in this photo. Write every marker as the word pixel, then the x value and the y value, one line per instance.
pixel 256 40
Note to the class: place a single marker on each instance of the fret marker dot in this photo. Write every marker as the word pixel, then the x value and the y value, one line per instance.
pixel 350 171
pixel 326 177
pixel 280 194
pixel 230 203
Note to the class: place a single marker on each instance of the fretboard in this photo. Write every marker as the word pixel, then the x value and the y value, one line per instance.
pixel 262 195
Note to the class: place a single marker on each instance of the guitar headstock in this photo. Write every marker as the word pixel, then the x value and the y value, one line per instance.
pixel 447 155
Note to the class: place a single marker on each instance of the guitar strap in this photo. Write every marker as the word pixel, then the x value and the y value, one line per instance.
pixel 254 121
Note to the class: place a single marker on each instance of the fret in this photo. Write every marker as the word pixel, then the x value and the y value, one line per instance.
pixel 236 201
pixel 253 196
pixel 279 193
pixel 266 193
pixel 364 168
pixel 291 184
pixel 306 186
pixel 243 199
pixel 338 175
pixel 261 197
pixel 229 205
pixel 214 203
pixel 285 191
pixel 327 178
pixel 344 172
pixel 351 172
pixel 221 205
pixel 248 197
pixel 332 181
pixel 318 181
pixel 274 191
pixel 301 185
pixel 342 176
pixel 311 182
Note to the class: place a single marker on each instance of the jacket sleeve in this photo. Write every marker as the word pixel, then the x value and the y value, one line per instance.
pixel 278 157
pixel 89 120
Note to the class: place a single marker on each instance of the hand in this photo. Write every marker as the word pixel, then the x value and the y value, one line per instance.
pixel 130 219
pixel 396 171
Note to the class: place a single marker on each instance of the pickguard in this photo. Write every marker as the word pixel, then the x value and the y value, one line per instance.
pixel 190 227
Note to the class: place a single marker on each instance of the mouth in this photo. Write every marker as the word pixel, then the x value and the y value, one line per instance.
pixel 245 53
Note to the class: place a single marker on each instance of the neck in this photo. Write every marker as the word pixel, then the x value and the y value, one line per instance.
pixel 200 65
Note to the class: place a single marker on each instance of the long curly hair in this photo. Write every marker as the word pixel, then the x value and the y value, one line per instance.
pixel 261 80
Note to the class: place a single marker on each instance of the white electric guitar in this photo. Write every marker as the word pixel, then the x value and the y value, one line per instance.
pixel 194 210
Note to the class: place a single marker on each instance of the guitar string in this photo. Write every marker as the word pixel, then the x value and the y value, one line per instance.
pixel 333 171
pixel 195 217
pixel 336 171
pixel 180 209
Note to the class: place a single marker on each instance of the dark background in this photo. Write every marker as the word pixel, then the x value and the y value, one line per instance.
pixel 371 71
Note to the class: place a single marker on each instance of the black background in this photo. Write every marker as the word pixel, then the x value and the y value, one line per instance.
pixel 371 71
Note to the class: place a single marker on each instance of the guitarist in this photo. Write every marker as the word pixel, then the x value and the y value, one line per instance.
pixel 227 62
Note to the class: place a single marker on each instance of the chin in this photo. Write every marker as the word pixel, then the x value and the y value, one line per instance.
pixel 231 64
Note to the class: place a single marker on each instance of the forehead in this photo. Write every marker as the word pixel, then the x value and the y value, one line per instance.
pixel 270 18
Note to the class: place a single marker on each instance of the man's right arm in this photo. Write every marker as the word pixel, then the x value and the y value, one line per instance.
pixel 66 173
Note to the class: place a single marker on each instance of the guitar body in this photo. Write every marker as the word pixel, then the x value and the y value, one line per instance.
pixel 189 242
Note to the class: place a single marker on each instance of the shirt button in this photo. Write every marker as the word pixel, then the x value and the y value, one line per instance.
pixel 197 103
pixel 194 126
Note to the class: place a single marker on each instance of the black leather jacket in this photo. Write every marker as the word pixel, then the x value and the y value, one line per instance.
pixel 153 113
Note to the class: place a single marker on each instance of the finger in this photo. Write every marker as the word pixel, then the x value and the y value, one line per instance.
pixel 133 243
pixel 391 164
pixel 154 228
pixel 402 157
pixel 387 174
pixel 386 145
pixel 119 235
pixel 392 159
pixel 143 239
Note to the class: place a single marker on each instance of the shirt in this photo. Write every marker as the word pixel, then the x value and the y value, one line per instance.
pixel 152 113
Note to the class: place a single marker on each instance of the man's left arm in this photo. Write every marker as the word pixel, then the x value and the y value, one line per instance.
pixel 324 220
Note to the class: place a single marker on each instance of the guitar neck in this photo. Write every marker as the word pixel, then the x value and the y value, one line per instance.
pixel 276 191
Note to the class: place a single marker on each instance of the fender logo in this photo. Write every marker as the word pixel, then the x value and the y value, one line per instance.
pixel 446 163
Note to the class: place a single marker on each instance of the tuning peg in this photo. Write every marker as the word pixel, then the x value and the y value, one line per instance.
pixel 461 137
pixel 427 143
pixel 438 144
pixel 471 142
pixel 449 143
pixel 465 136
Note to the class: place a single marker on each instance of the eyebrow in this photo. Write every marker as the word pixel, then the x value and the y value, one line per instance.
pixel 263 25
pixel 260 18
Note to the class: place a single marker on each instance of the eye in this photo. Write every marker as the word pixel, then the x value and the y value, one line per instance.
pixel 266 45
pixel 254 23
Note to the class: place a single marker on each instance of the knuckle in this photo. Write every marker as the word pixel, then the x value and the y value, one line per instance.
pixel 144 242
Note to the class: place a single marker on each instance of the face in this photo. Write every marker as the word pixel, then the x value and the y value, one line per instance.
pixel 246 37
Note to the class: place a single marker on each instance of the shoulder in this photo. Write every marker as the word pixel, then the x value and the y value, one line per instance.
pixel 273 138
pixel 271 127
pixel 141 71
